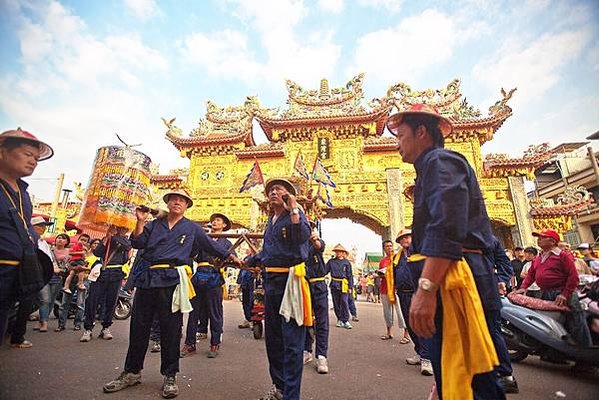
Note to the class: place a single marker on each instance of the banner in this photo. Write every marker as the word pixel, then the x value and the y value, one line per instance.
pixel 320 174
pixel 253 178
pixel 299 166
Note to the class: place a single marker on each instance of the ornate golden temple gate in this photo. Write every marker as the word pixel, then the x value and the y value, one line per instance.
pixel 346 132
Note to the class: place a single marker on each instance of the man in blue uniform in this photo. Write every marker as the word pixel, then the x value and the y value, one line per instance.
pixel 113 252
pixel 246 280
pixel 450 223
pixel 285 246
pixel 341 277
pixel 170 242
pixel 208 283
pixel 504 271
pixel 20 151
pixel 316 271
pixel 406 282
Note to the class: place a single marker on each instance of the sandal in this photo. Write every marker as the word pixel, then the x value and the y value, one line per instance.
pixel 386 337
pixel 404 340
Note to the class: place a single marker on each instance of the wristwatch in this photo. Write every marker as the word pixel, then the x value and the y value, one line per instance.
pixel 295 211
pixel 426 285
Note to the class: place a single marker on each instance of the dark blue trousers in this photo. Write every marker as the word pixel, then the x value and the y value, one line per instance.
pixel 103 293
pixel 505 365
pixel 351 304
pixel 320 308
pixel 485 386
pixel 208 302
pixel 147 304
pixel 340 304
pixel 8 279
pixel 247 301
pixel 284 340
pixel 421 345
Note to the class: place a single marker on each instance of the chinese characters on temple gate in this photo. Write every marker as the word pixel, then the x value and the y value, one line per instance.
pixel 323 148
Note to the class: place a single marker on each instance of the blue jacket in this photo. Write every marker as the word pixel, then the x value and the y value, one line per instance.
pixel 316 268
pixel 498 259
pixel 11 247
pixel 450 215
pixel 340 269
pixel 176 246
pixel 285 245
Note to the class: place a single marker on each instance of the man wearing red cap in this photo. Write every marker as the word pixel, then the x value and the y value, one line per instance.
pixel 20 151
pixel 555 273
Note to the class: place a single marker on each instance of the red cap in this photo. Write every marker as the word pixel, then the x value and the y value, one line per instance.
pixel 548 233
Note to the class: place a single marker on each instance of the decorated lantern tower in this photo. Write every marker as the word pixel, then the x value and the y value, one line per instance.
pixel 119 182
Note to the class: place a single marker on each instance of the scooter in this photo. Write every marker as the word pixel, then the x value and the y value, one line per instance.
pixel 124 305
pixel 535 332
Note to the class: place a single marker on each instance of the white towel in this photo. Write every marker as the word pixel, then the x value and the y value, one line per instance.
pixel 292 305
pixel 94 274
pixel 181 295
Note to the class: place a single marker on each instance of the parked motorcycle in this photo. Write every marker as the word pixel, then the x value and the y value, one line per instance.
pixel 542 333
pixel 124 305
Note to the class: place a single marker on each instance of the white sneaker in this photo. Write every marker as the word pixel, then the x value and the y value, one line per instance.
pixel 105 334
pixel 415 360
pixel 347 325
pixel 322 366
pixel 426 368
pixel 86 337
pixel 340 324
pixel 307 357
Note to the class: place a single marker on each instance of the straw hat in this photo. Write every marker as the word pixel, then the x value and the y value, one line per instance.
pixel 280 181
pixel 45 150
pixel 396 119
pixel 226 220
pixel 402 233
pixel 339 247
pixel 180 192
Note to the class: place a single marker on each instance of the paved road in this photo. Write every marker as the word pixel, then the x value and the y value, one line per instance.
pixel 362 368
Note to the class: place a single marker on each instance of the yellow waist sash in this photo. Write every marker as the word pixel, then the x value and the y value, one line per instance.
pixel 467 348
pixel 11 263
pixel 277 270
pixel 188 273
pixel 113 266
pixel 344 284
pixel 313 280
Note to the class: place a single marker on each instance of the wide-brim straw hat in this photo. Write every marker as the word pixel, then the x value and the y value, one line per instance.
pixel 444 124
pixel 402 233
pixel 225 219
pixel 280 181
pixel 180 192
pixel 339 247
pixel 45 150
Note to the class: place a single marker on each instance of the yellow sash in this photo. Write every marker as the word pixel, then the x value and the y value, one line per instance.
pixel 299 272
pixel 344 284
pixel 467 348
pixel 188 273
pixel 313 280
pixel 11 263
pixel 390 280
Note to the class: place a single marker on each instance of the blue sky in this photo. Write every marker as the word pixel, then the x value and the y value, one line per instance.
pixel 75 72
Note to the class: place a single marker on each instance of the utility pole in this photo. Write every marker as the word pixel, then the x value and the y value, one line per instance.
pixel 56 197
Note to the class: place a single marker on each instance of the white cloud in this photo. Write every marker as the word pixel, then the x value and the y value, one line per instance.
pixel 389 5
pixel 76 89
pixel 288 54
pixel 334 6
pixel 142 9
pixel 532 66
pixel 407 50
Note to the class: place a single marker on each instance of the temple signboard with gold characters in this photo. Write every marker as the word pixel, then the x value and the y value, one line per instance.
pixel 345 132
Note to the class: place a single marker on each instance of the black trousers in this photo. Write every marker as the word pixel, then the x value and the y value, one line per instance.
pixel 20 327
pixel 208 303
pixel 105 294
pixel 148 302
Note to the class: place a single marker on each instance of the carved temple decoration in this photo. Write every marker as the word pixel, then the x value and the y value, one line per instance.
pixel 558 214
pixel 501 165
pixel 343 129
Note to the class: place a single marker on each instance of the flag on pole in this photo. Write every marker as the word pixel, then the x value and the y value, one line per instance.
pixel 326 198
pixel 320 174
pixel 299 166
pixel 253 178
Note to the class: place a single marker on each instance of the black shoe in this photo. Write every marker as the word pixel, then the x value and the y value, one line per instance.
pixel 508 385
